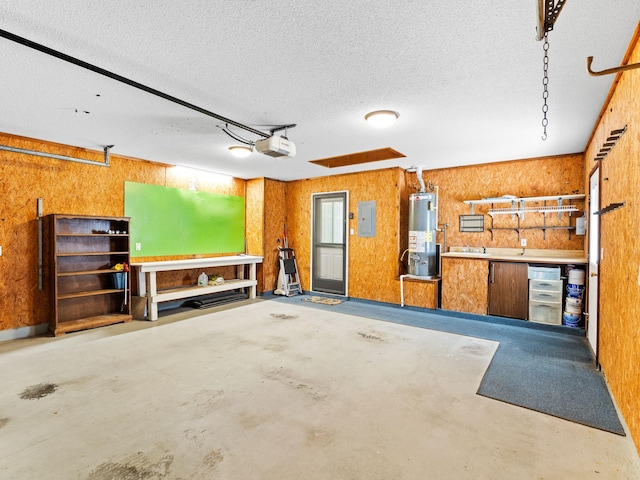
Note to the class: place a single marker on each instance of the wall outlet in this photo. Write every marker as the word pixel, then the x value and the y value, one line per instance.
pixel 0 251
pixel 523 242
pixel 138 247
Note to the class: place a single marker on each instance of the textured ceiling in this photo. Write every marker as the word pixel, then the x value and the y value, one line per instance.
pixel 466 78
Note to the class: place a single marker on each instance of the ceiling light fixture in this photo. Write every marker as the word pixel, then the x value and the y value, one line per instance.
pixel 240 151
pixel 381 118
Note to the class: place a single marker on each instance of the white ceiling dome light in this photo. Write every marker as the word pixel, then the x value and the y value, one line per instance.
pixel 381 118
pixel 240 151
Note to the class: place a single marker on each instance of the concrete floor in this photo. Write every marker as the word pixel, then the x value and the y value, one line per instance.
pixel 267 390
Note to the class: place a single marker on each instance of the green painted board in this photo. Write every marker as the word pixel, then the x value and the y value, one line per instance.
pixel 173 221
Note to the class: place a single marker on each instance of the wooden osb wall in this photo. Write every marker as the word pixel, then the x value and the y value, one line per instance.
pixel 619 331
pixel 275 209
pixel 254 223
pixel 266 217
pixel 373 262
pixel 72 188
pixel 522 178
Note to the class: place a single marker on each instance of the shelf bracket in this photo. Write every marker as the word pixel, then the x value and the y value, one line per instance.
pixel 107 151
pixel 559 208
pixel 610 208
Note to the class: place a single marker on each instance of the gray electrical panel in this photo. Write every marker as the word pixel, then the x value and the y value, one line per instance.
pixel 367 219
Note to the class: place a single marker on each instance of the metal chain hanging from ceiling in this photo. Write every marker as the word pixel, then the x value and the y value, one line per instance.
pixel 548 12
pixel 545 86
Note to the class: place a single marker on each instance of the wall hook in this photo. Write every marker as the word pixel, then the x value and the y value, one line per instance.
pixel 609 71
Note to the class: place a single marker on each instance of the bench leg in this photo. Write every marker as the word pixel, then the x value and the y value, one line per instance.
pixel 252 276
pixel 152 291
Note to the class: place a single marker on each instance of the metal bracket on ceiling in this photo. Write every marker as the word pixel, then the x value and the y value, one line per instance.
pixel 225 128
pixel 107 158
pixel 548 13
pixel 282 127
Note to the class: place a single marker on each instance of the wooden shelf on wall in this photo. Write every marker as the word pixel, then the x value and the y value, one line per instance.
pixel 518 209
pixel 510 199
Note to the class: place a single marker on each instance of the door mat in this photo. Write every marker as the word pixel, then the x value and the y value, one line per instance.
pixel 323 300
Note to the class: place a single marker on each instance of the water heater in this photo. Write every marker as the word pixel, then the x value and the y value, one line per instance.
pixel 422 235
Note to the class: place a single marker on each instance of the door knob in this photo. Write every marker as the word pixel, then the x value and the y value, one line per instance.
pixel 593 274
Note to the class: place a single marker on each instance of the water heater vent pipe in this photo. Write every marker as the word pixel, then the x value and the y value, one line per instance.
pixel 420 180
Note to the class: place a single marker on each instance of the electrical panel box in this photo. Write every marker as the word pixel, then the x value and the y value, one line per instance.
pixel 367 219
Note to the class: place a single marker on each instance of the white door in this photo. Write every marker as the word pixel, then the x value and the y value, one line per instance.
pixel 594 259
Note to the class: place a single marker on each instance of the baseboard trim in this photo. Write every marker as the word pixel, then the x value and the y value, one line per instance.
pixel 23 332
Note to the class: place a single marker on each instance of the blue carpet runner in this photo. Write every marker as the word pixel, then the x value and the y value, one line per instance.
pixel 544 368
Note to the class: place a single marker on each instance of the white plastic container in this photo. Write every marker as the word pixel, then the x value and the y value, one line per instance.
pixel 544 273
pixel 571 319
pixel 573 305
pixel 550 313
pixel 576 277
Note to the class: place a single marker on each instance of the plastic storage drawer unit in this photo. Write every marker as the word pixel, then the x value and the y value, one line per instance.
pixel 545 301
pixel 543 273
pixel 545 290
pixel 544 312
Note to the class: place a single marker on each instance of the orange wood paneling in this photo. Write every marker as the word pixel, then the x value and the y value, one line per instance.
pixel 275 209
pixel 465 286
pixel 421 293
pixel 619 310
pixel 522 178
pixel 373 262
pixel 266 217
pixel 254 223
pixel 254 216
pixel 73 188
